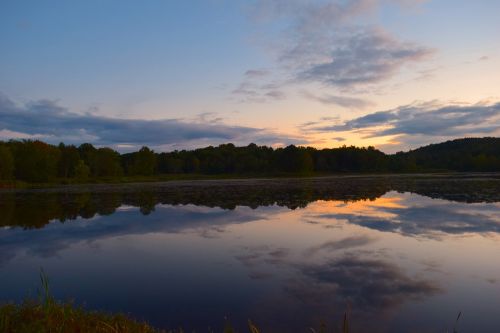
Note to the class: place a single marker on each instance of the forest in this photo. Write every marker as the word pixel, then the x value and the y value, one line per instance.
pixel 35 161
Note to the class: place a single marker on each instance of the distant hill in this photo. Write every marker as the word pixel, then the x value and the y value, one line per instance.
pixel 468 154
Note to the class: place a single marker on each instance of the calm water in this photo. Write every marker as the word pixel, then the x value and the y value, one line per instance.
pixel 404 254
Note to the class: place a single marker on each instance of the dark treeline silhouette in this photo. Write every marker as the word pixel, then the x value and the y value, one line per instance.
pixel 36 208
pixel 36 161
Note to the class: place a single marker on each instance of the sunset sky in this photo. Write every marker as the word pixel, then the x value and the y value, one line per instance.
pixel 184 74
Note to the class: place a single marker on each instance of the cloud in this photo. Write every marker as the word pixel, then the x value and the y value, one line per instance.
pixel 208 117
pixel 312 14
pixel 48 121
pixel 254 88
pixel 258 256
pixel 256 73
pixel 427 119
pixel 364 57
pixel 55 237
pixel 423 217
pixel 318 293
pixel 276 94
pixel 336 43
pixel 433 220
pixel 343 101
pixel 342 244
pixel 370 284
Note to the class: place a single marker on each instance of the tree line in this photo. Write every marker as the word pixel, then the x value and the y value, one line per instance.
pixel 37 161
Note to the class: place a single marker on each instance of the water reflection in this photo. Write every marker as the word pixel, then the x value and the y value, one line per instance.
pixel 34 209
pixel 396 251
pixel 373 288
pixel 53 238
pixel 416 216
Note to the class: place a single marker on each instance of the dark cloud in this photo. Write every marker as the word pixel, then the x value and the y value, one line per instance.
pixel 319 293
pixel 372 119
pixel 368 284
pixel 277 256
pixel 425 119
pixel 51 122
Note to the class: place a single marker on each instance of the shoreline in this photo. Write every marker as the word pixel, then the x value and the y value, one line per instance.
pixel 223 181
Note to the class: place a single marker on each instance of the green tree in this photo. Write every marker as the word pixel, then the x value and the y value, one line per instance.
pixel 35 161
pixel 294 160
pixel 70 158
pixel 6 163
pixel 142 162
pixel 191 164
pixel 174 165
pixel 106 163
pixel 82 171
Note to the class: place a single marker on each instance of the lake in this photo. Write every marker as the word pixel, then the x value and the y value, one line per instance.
pixel 399 253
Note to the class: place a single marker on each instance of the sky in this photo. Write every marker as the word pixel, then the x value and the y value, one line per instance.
pixel 172 74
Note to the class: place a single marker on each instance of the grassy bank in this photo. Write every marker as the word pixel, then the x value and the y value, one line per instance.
pixel 56 317
pixel 47 315
pixel 50 316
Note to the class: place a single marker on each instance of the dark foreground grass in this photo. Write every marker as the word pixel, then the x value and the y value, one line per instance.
pixel 33 316
pixel 47 315
pixel 56 317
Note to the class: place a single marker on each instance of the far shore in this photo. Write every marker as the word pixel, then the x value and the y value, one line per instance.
pixel 219 180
